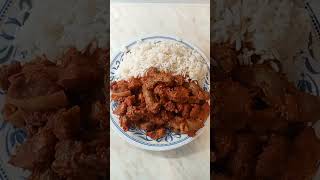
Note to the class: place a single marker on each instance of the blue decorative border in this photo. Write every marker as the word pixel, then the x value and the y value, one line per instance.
pixel 314 19
pixel 3 175
pixel 5 8
pixel 144 143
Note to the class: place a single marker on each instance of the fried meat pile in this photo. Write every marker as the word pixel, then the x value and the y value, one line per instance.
pixel 159 101
pixel 261 123
pixel 62 107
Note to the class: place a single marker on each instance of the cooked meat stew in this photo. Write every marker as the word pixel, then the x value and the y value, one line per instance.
pixel 160 101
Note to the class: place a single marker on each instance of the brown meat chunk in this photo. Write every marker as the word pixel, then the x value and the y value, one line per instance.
pixel 228 112
pixel 121 109
pixel 99 114
pixel 125 123
pixel 151 103
pixel 13 115
pixel 159 77
pixel 186 111
pixel 170 106
pixel 193 126
pixel 244 159
pixel 204 112
pixel 272 161
pixel 147 126
pixel 224 142
pixel 46 174
pixel 267 120
pixel 134 83
pixel 308 107
pixel 36 120
pixel 35 89
pixel 272 83
pixel 302 165
pixel 134 113
pixel 78 159
pixel 120 95
pixel 6 71
pixel 66 153
pixel 80 71
pixel 35 152
pixel 195 111
pixel 198 92
pixel 67 123
pixel 157 133
pixel 119 86
pixel 179 94
pixel 225 56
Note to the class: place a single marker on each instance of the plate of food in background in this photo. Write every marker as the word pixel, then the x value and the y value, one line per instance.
pixel 265 90
pixel 52 96
pixel 159 93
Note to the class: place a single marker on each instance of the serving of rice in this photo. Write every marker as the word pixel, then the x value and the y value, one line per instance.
pixel 54 26
pixel 277 29
pixel 167 56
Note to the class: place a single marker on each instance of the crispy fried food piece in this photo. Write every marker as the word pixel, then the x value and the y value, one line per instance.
pixel 302 165
pixel 37 151
pixel 272 161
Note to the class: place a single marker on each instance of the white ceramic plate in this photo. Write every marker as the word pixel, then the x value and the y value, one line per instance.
pixel 138 137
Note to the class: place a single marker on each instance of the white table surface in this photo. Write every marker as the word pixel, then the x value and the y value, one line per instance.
pixel 187 21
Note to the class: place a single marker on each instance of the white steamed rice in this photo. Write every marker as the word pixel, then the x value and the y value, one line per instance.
pixel 54 26
pixel 167 56
pixel 278 29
